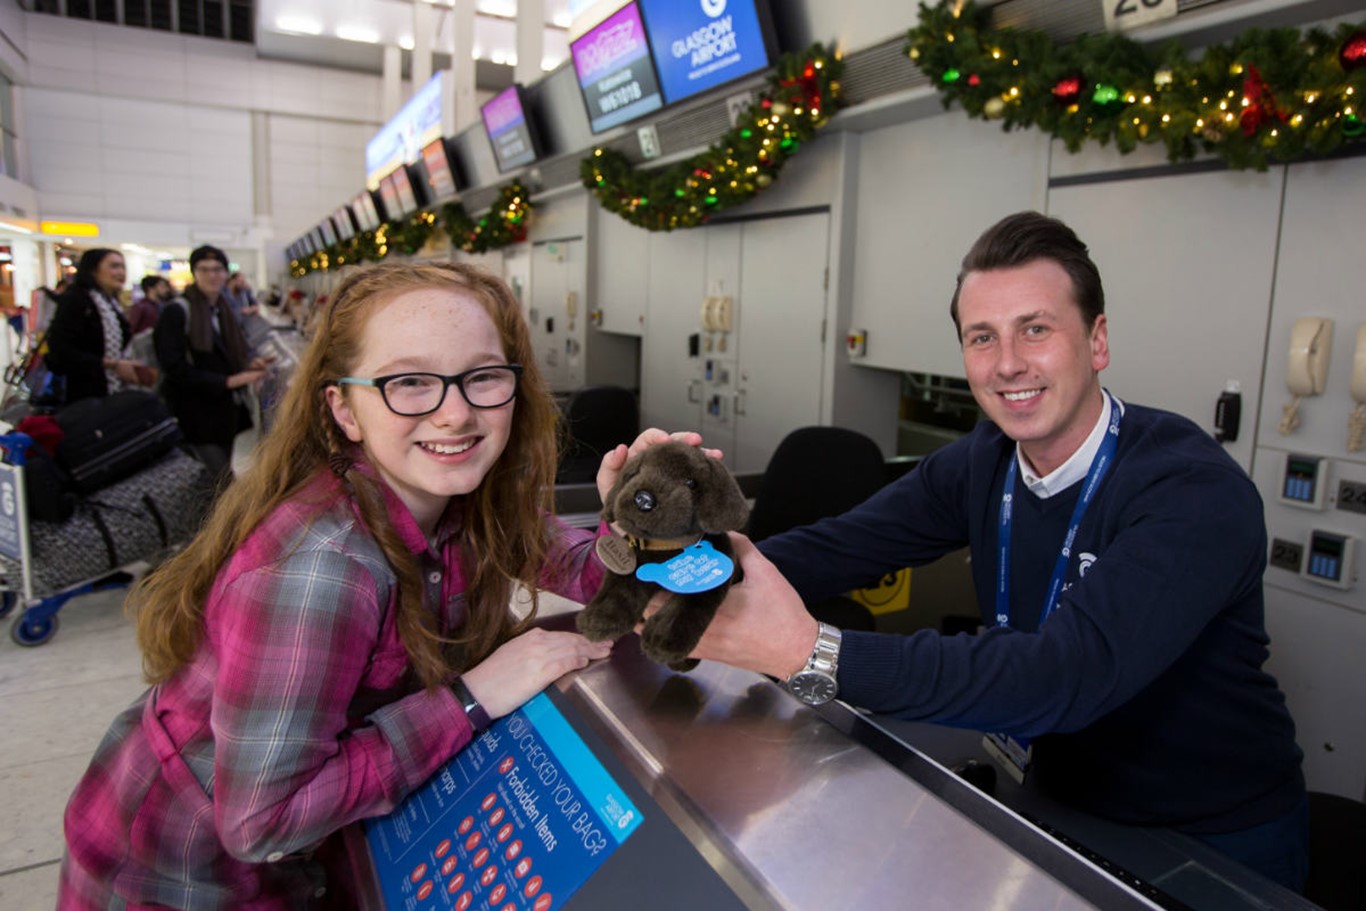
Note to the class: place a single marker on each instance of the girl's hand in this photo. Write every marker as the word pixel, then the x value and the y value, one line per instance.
pixel 522 667
pixel 613 461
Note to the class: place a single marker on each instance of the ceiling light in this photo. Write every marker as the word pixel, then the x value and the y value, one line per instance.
pixel 298 25
pixel 406 42
pixel 562 20
pixel 362 33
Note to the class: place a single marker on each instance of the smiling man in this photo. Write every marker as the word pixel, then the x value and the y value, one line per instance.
pixel 1117 553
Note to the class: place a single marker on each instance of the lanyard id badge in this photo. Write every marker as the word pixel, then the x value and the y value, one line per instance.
pixel 1015 753
pixel 1011 753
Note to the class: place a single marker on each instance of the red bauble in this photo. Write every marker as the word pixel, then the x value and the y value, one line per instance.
pixel 1353 53
pixel 1068 89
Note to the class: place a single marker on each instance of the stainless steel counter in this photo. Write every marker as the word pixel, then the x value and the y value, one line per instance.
pixel 793 812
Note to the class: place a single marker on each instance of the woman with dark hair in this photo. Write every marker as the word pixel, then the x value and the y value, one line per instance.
pixel 205 361
pixel 88 336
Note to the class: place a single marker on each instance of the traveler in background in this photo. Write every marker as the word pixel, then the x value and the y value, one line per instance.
pixel 1117 552
pixel 240 296
pixel 205 364
pixel 341 628
pixel 156 291
pixel 88 337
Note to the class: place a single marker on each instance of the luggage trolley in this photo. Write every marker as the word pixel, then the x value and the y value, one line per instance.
pixel 138 519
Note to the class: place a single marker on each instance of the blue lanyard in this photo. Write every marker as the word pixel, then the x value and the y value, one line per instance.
pixel 1099 466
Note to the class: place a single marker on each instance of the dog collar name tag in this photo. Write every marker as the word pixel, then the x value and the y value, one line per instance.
pixel 616 554
pixel 700 568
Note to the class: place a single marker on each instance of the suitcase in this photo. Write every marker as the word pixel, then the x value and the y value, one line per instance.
pixel 106 440
pixel 137 518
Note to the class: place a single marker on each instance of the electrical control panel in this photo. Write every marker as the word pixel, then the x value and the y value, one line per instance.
pixel 1304 482
pixel 1330 559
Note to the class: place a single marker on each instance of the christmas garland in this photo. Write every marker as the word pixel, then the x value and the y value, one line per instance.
pixel 802 93
pixel 1270 95
pixel 505 223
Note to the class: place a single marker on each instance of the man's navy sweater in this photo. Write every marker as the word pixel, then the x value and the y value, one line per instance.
pixel 1144 689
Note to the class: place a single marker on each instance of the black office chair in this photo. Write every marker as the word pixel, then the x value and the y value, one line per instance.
pixel 817 472
pixel 597 418
pixel 1337 847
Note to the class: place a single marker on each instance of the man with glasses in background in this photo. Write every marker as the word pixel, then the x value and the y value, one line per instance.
pixel 206 364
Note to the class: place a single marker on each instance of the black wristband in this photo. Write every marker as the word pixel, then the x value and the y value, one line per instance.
pixel 476 713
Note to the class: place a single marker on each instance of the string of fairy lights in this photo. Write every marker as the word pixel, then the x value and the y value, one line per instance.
pixel 800 96
pixel 505 223
pixel 1274 95
pixel 1268 96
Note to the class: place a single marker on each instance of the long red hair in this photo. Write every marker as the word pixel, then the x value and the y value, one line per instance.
pixel 504 537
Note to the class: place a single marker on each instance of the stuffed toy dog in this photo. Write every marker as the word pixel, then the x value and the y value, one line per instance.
pixel 669 510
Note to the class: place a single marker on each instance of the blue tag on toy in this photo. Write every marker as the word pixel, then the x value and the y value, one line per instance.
pixel 700 568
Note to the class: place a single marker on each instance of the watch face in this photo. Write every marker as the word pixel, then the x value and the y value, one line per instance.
pixel 812 687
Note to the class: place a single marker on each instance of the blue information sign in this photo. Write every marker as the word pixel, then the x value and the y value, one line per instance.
pixel 700 44
pixel 517 821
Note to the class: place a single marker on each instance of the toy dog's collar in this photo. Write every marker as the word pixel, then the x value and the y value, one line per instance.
pixel 654 543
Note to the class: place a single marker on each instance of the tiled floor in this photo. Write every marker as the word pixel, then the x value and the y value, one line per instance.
pixel 55 702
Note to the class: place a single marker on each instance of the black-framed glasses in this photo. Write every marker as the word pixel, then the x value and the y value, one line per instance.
pixel 412 395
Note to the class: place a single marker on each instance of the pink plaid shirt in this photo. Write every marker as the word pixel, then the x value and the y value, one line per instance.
pixel 296 717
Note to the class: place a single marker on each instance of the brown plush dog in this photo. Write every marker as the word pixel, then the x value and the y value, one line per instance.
pixel 670 510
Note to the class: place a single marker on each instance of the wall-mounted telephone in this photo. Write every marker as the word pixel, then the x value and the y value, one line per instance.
pixel 1356 424
pixel 718 313
pixel 1306 369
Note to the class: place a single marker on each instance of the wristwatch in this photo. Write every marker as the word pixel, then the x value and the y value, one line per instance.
pixel 476 713
pixel 815 683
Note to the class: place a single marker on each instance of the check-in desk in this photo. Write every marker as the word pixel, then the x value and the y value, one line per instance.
pixel 752 800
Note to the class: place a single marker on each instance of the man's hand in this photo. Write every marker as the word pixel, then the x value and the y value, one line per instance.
pixel 762 625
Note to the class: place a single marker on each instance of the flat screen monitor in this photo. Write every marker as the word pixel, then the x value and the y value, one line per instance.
pixel 367 216
pixel 509 129
pixel 410 198
pixel 436 161
pixel 329 231
pixel 388 197
pixel 698 46
pixel 616 74
pixel 346 228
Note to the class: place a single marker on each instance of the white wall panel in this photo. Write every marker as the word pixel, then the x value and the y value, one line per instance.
pixel 926 190
pixel 1186 298
pixel 170 202
pixel 145 161
pixel 315 166
pixel 64 106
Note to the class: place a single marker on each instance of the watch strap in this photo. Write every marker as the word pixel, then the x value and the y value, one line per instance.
pixel 825 655
pixel 476 713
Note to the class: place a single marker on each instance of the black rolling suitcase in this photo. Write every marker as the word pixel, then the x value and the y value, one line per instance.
pixel 106 440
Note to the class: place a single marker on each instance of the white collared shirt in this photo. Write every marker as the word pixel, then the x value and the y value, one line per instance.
pixel 1077 464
